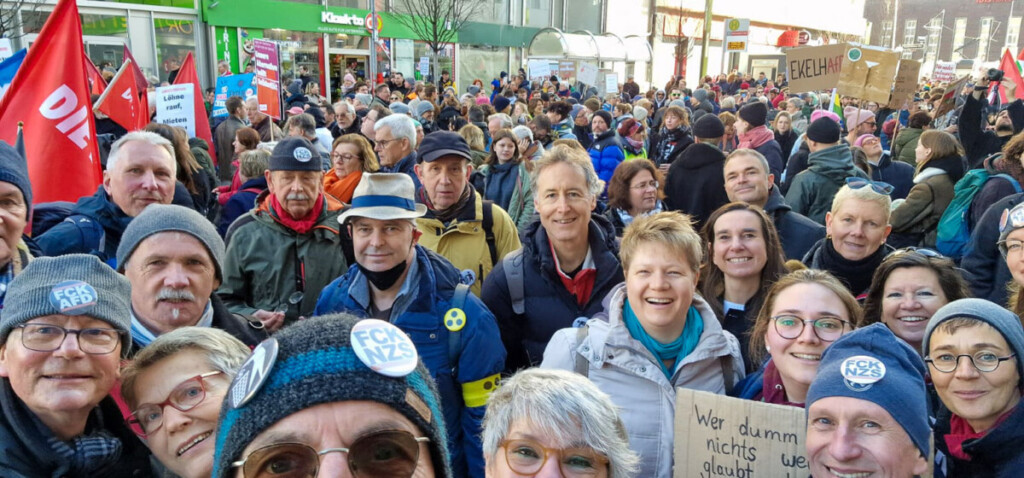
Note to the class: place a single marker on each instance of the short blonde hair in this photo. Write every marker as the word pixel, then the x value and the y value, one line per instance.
pixel 864 194
pixel 253 163
pixel 672 229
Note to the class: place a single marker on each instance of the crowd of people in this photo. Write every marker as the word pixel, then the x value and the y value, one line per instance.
pixel 515 281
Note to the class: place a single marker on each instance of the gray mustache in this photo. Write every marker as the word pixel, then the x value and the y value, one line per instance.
pixel 168 293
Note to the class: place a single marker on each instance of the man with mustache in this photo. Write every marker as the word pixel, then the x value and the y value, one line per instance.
pixel 283 252
pixel 173 258
pixel 140 171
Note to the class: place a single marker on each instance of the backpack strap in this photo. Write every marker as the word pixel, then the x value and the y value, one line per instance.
pixel 454 321
pixel 1013 182
pixel 512 263
pixel 727 375
pixel 488 223
pixel 581 366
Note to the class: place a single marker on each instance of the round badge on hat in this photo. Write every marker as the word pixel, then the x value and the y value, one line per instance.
pixel 73 297
pixel 454 319
pixel 254 373
pixel 860 372
pixel 384 348
pixel 302 154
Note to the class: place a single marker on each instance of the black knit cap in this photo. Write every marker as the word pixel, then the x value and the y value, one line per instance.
pixel 606 116
pixel 316 363
pixel 824 130
pixel 295 153
pixel 14 170
pixel 708 127
pixel 754 113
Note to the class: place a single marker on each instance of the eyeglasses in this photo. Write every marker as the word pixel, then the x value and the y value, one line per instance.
pixel 527 457
pixel 876 186
pixel 982 361
pixel 646 185
pixel 390 453
pixel 828 329
pixel 383 143
pixel 343 157
pixel 47 338
pixel 148 418
pixel 924 251
pixel 1011 246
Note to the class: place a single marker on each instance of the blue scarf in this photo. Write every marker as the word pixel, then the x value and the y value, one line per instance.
pixel 678 349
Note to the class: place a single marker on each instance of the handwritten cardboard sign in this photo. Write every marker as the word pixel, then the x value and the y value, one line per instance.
pixel 906 84
pixel 868 73
pixel 723 436
pixel 814 68
pixel 948 102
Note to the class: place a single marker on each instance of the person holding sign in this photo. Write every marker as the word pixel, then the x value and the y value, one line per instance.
pixel 656 334
pixel 803 313
pixel 867 410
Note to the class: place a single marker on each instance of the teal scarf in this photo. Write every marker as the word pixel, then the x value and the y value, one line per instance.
pixel 678 349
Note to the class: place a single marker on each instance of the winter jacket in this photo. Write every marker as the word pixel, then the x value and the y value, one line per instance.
pixel 796 164
pixel 463 241
pixel 813 189
pixel 405 165
pixel 993 190
pixel 855 275
pixel 423 301
pixel 977 142
pixel 695 184
pixel 520 208
pixel 201 151
pixel 983 266
pixel 25 451
pixel 905 144
pixel 996 455
pixel 549 306
pixel 623 368
pixel 917 218
pixel 606 154
pixel 223 139
pixel 241 202
pixel 95 227
pixel 268 130
pixel 786 142
pixel 897 173
pixel 667 145
pixel 773 153
pixel 563 129
pixel 796 232
pixel 246 329
pixel 262 266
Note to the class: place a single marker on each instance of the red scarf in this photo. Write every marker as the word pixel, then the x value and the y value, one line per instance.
pixel 773 390
pixel 582 284
pixel 961 431
pixel 755 137
pixel 301 225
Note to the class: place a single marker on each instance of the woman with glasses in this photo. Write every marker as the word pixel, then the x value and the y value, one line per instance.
pixel 546 422
pixel 634 191
pixel 803 313
pixel 504 178
pixel 940 164
pixel 1011 246
pixel 656 334
pixel 174 388
pixel 883 168
pixel 973 350
pixel 746 258
pixel 908 287
pixel 856 228
pixel 351 156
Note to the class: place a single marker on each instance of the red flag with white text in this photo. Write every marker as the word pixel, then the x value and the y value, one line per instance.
pixel 53 102
pixel 96 82
pixel 187 74
pixel 120 101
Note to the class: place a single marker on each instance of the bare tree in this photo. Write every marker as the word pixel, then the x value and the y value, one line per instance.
pixel 436 22
pixel 10 21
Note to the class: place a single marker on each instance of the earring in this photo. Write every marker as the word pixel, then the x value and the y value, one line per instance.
pixel 767 347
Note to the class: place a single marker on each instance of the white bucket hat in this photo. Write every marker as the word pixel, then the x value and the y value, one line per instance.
pixel 384 196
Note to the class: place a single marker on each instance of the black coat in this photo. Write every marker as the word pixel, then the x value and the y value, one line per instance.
pixel 786 142
pixel 998 454
pixel 897 173
pixel 695 183
pixel 797 162
pixel 668 145
pixel 977 142
pixel 983 266
pixel 797 232
pixel 772 152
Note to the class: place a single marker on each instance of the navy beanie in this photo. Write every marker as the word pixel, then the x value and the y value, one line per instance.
pixel 708 126
pixel 874 365
pixel 755 114
pixel 500 103
pixel 824 130
pixel 295 153
pixel 14 170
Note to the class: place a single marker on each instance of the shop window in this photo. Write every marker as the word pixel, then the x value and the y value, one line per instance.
pixel 583 15
pixel 481 62
pixel 361 4
pixel 174 39
pixel 493 11
pixel 538 13
pixel 92 24
pixel 297 49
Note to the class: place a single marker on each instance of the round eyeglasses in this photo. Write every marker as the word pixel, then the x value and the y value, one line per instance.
pixel 827 329
pixel 982 361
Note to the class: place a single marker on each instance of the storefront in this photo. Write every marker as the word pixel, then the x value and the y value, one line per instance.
pixel 315 41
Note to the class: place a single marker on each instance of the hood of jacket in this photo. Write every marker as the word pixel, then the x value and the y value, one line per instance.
pixel 699 155
pixel 835 162
pixel 198 143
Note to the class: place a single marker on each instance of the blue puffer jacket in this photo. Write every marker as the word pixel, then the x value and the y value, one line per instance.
pixel 607 154
pixel 94 227
pixel 418 311
pixel 549 305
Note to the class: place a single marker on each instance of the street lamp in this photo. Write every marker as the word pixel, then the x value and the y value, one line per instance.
pixel 937 28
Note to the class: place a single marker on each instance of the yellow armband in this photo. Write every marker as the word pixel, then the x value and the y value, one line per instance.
pixel 475 394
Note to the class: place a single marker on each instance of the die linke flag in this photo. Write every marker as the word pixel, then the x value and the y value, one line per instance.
pixel 140 79
pixel 96 82
pixel 53 102
pixel 187 74
pixel 120 101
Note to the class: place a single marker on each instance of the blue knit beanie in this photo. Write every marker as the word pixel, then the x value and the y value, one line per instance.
pixel 874 365
pixel 1006 322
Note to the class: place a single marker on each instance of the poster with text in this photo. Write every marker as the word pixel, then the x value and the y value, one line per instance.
pixel 905 85
pixel 175 107
pixel 814 68
pixel 868 73
pixel 228 86
pixel 268 77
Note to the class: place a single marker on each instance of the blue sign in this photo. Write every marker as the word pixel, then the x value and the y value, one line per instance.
pixel 8 68
pixel 235 85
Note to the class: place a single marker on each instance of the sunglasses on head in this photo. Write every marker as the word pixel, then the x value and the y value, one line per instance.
pixel 876 186
pixel 924 251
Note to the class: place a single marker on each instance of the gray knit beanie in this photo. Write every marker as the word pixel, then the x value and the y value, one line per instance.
pixel 400 108
pixel 316 361
pixel 364 98
pixel 423 107
pixel 1006 322
pixel 167 218
pixel 72 284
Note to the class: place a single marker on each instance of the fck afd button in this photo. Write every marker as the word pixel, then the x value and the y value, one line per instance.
pixel 383 348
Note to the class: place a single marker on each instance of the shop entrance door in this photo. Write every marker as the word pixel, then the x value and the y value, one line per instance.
pixel 342 61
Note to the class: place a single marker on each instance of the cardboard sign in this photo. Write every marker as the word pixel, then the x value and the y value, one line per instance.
pixel 566 69
pixel 268 77
pixel 814 68
pixel 587 74
pixel 949 97
pixel 944 71
pixel 906 84
pixel 868 73
pixel 175 106
pixel 233 85
pixel 717 435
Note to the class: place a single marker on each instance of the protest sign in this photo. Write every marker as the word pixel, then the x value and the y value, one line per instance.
pixel 611 83
pixel 814 68
pixel 228 86
pixel 566 69
pixel 268 77
pixel 906 84
pixel 539 68
pixel 587 74
pixel 944 71
pixel 867 73
pixel 174 107
pixel 724 436
pixel 948 101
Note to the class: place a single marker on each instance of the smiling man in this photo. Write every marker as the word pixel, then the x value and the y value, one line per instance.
pixel 173 257
pixel 140 171
pixel 15 211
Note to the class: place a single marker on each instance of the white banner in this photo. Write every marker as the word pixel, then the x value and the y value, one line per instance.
pixel 587 74
pixel 174 107
pixel 944 71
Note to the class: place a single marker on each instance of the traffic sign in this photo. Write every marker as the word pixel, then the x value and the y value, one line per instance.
pixel 737 33
pixel 371 24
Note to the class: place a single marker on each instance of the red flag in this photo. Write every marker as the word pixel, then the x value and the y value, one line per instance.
pixel 140 80
pixel 187 74
pixel 1010 72
pixel 53 102
pixel 1020 56
pixel 121 99
pixel 96 82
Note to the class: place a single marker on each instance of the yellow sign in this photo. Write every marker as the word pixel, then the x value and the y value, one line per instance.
pixel 736 46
